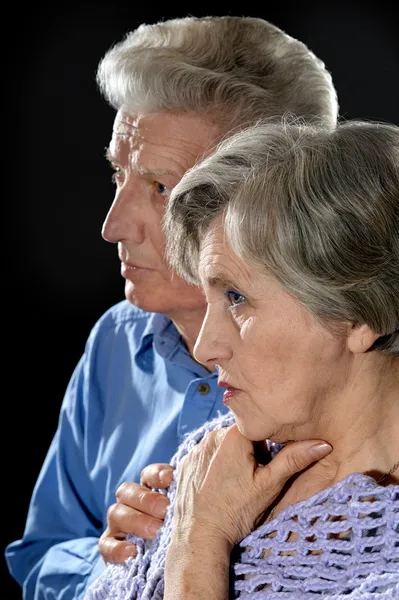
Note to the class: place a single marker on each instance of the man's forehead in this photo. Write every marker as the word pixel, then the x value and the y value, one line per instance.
pixel 126 124
pixel 184 129
pixel 127 135
pixel 162 140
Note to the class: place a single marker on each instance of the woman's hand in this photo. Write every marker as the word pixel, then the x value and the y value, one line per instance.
pixel 222 491
pixel 221 494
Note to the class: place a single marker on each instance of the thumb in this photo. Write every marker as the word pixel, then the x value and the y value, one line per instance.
pixel 292 459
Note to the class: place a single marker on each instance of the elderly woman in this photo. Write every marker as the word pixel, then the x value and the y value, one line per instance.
pixel 298 255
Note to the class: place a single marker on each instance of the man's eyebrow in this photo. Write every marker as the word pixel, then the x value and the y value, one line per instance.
pixel 144 171
pixel 108 155
pixel 153 172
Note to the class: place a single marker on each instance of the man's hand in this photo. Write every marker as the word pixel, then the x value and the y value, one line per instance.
pixel 138 510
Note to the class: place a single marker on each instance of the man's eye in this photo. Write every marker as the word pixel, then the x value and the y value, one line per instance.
pixel 162 189
pixel 234 298
pixel 116 174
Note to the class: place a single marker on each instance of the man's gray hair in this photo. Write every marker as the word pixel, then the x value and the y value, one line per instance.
pixel 232 70
pixel 316 207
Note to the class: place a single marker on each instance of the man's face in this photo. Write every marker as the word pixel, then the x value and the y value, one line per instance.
pixel 149 155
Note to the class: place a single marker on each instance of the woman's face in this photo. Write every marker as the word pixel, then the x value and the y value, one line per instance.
pixel 281 368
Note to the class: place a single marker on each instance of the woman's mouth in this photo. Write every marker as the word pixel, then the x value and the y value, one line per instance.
pixel 229 393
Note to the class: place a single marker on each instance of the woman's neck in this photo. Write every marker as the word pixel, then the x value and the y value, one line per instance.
pixel 361 423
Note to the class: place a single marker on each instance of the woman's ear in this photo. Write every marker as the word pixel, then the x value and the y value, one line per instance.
pixel 361 338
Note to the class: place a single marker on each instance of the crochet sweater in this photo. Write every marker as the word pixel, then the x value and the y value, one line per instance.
pixel 341 543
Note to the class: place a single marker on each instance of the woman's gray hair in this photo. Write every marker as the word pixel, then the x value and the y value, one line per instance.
pixel 232 70
pixel 317 208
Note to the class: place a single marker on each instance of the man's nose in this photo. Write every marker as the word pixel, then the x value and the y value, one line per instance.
pixel 125 218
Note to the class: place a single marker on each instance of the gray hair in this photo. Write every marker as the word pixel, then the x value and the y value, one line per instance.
pixel 315 207
pixel 232 70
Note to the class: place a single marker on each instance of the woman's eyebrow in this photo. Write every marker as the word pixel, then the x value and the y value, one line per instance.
pixel 219 280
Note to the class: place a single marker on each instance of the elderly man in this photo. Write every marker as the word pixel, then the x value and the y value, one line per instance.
pixel 178 88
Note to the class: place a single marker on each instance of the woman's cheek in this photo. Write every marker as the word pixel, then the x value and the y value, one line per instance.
pixel 247 326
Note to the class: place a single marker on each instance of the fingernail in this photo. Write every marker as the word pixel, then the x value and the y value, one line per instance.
pixel 129 552
pixel 160 508
pixel 153 528
pixel 319 450
pixel 165 476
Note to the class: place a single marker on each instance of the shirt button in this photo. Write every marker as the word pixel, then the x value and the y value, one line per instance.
pixel 204 389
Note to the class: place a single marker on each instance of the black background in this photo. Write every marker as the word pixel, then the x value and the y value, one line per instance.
pixel 59 276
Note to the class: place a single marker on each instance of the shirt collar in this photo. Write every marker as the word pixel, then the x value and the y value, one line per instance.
pixel 161 333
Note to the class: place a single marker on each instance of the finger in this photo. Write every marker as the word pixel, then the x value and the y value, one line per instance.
pixel 292 459
pixel 113 550
pixel 157 475
pixel 123 519
pixel 142 499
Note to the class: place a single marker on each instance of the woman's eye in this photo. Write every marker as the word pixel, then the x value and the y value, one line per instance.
pixel 234 298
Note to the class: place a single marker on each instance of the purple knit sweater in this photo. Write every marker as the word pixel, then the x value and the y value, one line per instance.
pixel 345 547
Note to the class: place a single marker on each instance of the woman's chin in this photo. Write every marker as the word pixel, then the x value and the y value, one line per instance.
pixel 253 432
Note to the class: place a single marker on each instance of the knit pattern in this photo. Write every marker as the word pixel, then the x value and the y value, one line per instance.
pixel 341 543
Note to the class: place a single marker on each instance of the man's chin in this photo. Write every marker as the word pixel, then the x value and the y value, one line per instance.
pixel 172 304
pixel 143 301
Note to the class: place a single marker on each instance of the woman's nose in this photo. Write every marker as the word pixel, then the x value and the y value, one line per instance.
pixel 213 344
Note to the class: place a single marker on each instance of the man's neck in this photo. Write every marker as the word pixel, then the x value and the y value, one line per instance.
pixel 188 324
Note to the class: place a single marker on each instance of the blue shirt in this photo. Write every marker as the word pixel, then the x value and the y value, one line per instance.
pixel 133 396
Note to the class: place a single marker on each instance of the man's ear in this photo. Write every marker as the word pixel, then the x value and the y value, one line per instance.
pixel 361 338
